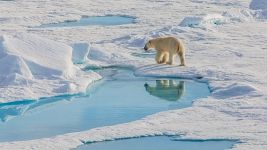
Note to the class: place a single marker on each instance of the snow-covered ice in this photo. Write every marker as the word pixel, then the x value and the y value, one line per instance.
pixel 80 52
pixel 195 21
pixel 230 57
pixel 32 67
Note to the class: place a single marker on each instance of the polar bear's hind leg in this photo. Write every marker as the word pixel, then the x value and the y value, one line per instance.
pixel 182 58
pixel 171 55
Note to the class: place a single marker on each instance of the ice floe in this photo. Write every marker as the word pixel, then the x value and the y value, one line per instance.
pixel 231 59
pixel 32 67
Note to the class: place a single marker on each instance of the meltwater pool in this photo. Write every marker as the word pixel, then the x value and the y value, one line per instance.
pixel 159 143
pixel 119 98
pixel 93 20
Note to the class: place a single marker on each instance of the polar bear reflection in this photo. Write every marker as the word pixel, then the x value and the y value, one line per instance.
pixel 166 89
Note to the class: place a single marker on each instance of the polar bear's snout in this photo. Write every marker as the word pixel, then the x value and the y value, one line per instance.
pixel 145 48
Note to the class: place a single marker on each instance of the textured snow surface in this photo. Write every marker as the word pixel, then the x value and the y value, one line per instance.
pixel 80 52
pixel 32 67
pixel 195 21
pixel 230 57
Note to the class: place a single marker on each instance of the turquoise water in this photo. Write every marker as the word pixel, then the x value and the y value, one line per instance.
pixel 158 143
pixel 94 20
pixel 119 98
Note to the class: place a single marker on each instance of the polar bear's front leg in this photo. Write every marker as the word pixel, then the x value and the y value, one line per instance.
pixel 165 58
pixel 159 57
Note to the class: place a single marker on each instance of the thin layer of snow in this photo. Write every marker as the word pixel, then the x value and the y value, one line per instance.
pixel 230 57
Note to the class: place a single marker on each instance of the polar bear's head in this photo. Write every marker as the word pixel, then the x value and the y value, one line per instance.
pixel 149 45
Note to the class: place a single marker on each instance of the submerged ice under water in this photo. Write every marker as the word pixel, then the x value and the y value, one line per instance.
pixel 119 98
pixel 159 142
pixel 93 20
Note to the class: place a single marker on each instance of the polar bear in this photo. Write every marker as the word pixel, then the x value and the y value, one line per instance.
pixel 167 48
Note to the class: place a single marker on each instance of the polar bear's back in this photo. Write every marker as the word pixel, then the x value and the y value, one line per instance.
pixel 170 44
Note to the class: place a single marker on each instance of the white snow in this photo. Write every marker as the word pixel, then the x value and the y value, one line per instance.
pixel 32 67
pixel 230 57
pixel 196 21
pixel 80 52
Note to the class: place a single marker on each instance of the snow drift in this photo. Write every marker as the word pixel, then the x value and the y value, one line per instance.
pixel 80 52
pixel 208 19
pixel 226 17
pixel 33 67
pixel 29 55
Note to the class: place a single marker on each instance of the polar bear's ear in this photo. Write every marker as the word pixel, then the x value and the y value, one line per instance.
pixel 150 42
